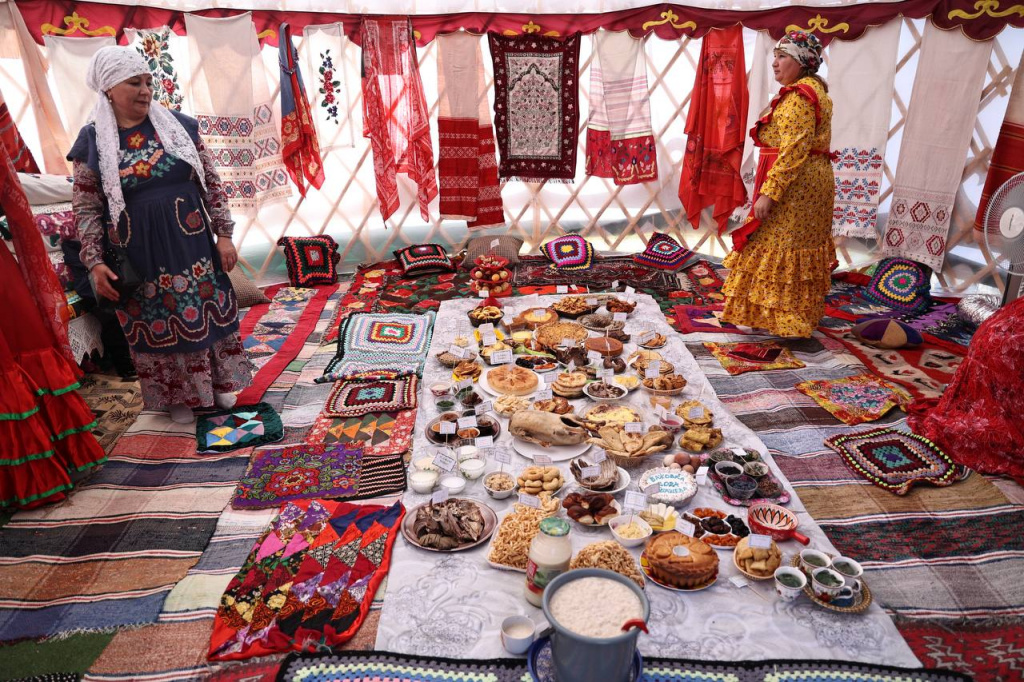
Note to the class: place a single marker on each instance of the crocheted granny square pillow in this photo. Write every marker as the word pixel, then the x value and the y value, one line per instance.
pixel 310 260
pixel 664 253
pixel 901 284
pixel 420 258
pixel 894 460
pixel 570 252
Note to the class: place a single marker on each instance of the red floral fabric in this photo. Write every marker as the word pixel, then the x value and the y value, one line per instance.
pixel 977 421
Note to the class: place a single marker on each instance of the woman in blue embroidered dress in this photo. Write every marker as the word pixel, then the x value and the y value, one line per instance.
pixel 144 179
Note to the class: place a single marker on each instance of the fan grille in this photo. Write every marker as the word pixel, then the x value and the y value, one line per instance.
pixel 1006 245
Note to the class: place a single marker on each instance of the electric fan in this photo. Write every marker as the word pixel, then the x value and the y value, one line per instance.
pixel 1004 234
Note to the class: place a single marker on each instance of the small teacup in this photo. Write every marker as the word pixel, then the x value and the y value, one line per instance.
pixel 811 560
pixel 790 575
pixel 849 569
pixel 517 634
pixel 845 598
pixel 826 584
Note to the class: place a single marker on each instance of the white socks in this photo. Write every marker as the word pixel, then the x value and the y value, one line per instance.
pixel 182 414
pixel 225 401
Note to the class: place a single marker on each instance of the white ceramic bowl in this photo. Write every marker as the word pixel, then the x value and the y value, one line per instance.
pixel 624 519
pixel 425 464
pixel 453 484
pixel 500 494
pixel 422 482
pixel 472 469
pixel 613 385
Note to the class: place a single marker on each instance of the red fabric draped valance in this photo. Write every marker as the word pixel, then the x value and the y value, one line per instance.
pixel 978 19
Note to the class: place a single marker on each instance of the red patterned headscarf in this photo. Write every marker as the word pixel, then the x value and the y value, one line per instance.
pixel 803 47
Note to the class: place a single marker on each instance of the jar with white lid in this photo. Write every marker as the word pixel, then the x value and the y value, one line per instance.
pixel 549 556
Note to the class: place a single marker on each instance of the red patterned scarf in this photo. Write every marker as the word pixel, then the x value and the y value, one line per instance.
pixel 300 148
pixel 467 167
pixel 536 106
pixel 714 128
pixel 395 113
pixel 19 152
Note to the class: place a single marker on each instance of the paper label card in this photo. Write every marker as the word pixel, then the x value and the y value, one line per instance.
pixel 655 365
pixel 487 328
pixel 495 242
pixel 702 475
pixel 443 461
pixel 630 291
pixel 590 472
pixel 591 301
pixel 483 293
pixel 467 422
pixel 485 406
pixel 503 456
pixel 484 441
pixel 606 375
pixel 685 527
pixel 542 460
pixel 550 378
pixel 593 355
pixel 489 339
pixel 652 373
pixel 645 337
pixel 571 367
pixel 439 496
pixel 529 500
pixel 739 581
pixel 465 383
pixel 634 427
pixel 507 321
pixel 759 541
pixel 568 343
pixel 457 351
pixel 447 428
pixel 598 457
pixel 544 394
pixel 619 317
pixel 562 289
pixel 635 500
pixel 501 357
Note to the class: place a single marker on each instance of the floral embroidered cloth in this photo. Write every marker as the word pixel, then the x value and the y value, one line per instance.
pixel 356 397
pixel 754 356
pixel 377 433
pixel 373 345
pixel 300 472
pixel 857 399
pixel 242 426
pixel 308 581
pixel 536 105
pixel 895 460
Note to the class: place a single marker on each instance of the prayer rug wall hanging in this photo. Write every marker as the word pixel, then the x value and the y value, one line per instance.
pixel 755 356
pixel 894 460
pixel 240 427
pixel 355 398
pixel 380 345
pixel 309 580
pixel 363 666
pixel 620 139
pixel 536 105
pixel 857 399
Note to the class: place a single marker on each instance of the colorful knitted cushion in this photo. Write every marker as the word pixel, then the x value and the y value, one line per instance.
pixel 887 334
pixel 738 358
pixel 664 253
pixel 420 258
pixel 571 252
pixel 310 260
pixel 895 460
pixel 857 399
pixel 240 427
pixel 358 397
pixel 900 283
pixel 507 247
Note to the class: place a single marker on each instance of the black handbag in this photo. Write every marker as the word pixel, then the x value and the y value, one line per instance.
pixel 115 257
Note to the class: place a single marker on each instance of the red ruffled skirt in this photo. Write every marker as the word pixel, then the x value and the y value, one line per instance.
pixel 45 427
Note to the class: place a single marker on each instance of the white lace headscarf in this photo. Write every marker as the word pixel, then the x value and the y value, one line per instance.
pixel 108 67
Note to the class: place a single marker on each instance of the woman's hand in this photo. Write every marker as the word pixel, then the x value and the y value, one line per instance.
pixel 762 206
pixel 102 276
pixel 228 255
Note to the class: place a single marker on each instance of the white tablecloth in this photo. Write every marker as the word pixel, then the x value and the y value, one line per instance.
pixel 453 604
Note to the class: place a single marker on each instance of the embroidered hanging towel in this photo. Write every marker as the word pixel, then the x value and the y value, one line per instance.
pixel 69 58
pixel 861 74
pixel 300 146
pixel 165 52
pixel 761 89
pixel 231 100
pixel 620 139
pixel 950 75
pixel 467 167
pixel 395 113
pixel 536 106
pixel 715 129
pixel 11 139
pixel 1008 155
pixel 326 52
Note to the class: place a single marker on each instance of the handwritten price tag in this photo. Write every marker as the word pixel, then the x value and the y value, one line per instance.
pixel 630 291
pixel 590 472
pixel 739 452
pixel 495 242
pixel 501 357
pixel 467 422
pixel 561 289
pixel 503 456
pixel 634 427
pixel 489 339
pixel 443 461
pixel 591 301
pixel 593 355
pixel 447 428
pixel 439 496
pixel 457 351
pixel 485 442
pixel 759 541
pixel 507 321
pixel 529 500
pixel 483 293
pixel 465 383
pixel 542 460
pixel 486 328
pixel 685 527
pixel 599 456
pixel 544 394
pixel 635 501
pixel 606 375
pixel 619 317
pixel 739 581
pixel 485 406
pixel 696 412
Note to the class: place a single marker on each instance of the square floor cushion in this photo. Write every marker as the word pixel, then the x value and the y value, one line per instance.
pixel 311 260
pixel 664 253
pixel 504 246
pixel 900 283
pixel 422 258
pixel 569 252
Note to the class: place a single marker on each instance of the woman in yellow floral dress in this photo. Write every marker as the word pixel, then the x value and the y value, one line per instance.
pixel 783 256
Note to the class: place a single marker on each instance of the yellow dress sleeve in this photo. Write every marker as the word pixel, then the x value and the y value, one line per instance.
pixel 794 116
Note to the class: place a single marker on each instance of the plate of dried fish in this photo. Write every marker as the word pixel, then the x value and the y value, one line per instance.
pixel 451 526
